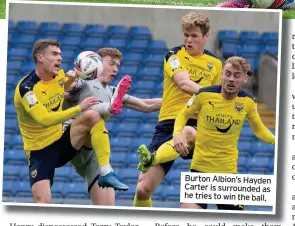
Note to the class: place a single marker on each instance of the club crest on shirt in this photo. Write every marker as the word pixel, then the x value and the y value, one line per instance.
pixel 174 62
pixel 31 99
pixel 210 66
pixel 61 82
pixel 239 107
pixel 34 173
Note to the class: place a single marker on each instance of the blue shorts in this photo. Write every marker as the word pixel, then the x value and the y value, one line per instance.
pixel 219 206
pixel 164 133
pixel 42 163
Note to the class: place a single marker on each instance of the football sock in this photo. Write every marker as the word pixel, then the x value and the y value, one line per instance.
pixel 101 145
pixel 165 153
pixel 145 203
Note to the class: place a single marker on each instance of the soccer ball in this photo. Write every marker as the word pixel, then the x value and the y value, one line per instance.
pixel 269 4
pixel 88 65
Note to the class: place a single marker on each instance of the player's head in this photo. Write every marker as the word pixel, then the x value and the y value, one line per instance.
pixel 195 28
pixel 47 56
pixel 111 58
pixel 234 74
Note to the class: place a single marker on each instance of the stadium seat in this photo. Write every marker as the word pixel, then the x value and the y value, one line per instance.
pixel 13 66
pixel 228 49
pixel 244 146
pixel 246 132
pixel 13 157
pixel 132 159
pixel 250 37
pixel 261 148
pixel 23 40
pixel 92 43
pixel 151 117
pixel 271 166
pixel 62 173
pixel 126 129
pixel 120 144
pixel 11 82
pixel 150 73
pixel 24 171
pixel 248 49
pixel 139 141
pixel 18 53
pixel 119 44
pixel 140 32
pixel 132 59
pixel 70 43
pixel 8 188
pixel 57 189
pixel 11 27
pixel 22 189
pixel 253 61
pixel 154 60
pixel 228 36
pixel 11 172
pixel 157 46
pixel 270 38
pixel 72 29
pixel 158 193
pixel 132 116
pixel 143 87
pixel 128 70
pixel 76 190
pixel 50 28
pixel 129 175
pixel 118 159
pixel 7 138
pixel 137 46
pixel 117 31
pixel 75 177
pixel 10 111
pixel 27 67
pixel 173 177
pixel 259 162
pixel 182 164
pixel 269 49
pixel 17 141
pixel 170 193
pixel 95 30
pixel 27 27
pixel 11 126
pixel 127 195
pixel 9 94
pixel 146 130
pixel 68 56
pixel 242 161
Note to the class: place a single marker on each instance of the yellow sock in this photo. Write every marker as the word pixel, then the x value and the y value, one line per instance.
pixel 165 153
pixel 101 143
pixel 145 203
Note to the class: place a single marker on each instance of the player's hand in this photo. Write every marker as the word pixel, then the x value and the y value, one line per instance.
pixel 180 145
pixel 71 75
pixel 88 102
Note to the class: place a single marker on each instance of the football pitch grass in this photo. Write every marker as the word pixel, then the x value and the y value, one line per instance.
pixel 290 14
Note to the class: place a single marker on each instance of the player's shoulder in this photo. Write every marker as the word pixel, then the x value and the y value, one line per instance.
pixel 27 83
pixel 211 55
pixel 173 51
pixel 210 89
pixel 245 94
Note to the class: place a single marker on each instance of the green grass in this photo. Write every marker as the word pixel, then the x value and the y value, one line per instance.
pixel 290 14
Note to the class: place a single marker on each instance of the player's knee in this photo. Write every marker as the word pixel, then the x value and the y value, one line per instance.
pixel 41 197
pixel 143 190
pixel 92 117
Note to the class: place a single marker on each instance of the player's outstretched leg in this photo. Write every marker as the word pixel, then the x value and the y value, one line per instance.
pixel 117 99
pixel 145 157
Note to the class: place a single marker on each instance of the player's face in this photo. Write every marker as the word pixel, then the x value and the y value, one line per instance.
pixel 51 59
pixel 195 41
pixel 110 69
pixel 233 79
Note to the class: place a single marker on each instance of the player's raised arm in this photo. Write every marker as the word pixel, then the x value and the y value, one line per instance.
pixel 143 105
pixel 259 129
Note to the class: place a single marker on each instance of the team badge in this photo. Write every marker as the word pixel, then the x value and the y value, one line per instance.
pixel 210 66
pixel 31 99
pixel 61 82
pixel 34 173
pixel 174 62
pixel 239 107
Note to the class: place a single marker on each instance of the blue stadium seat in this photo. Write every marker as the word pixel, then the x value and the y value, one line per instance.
pixel 244 146
pixel 8 188
pixel 129 176
pixel 126 129
pixel 132 59
pixel 146 130
pixel 18 53
pixel 11 126
pixel 118 159
pixel 118 31
pixel 259 162
pixel 23 40
pixel 92 43
pixel 128 70
pixel 67 66
pixel 250 37
pixel 11 172
pixel 143 87
pixel 15 157
pixel 182 164
pixel 22 189
pixel 109 125
pixel 27 27
pixel 254 62
pixel 95 30
pixel 76 190
pixel 27 67
pixel 50 28
pixel 141 140
pixel 271 166
pixel 173 177
pixel 242 161
pixel 17 141
pixel 228 36
pixel 158 193
pixel 158 46
pixel 261 148
pixel 11 82
pixel 75 177
pixel 7 139
pixel 132 160
pixel 120 144
pixel 140 32
pixel 150 73
pixel 133 116
pixel 57 189
pixel 269 49
pixel 247 132
pixel 171 193
pixel 10 111
pixel 137 46
pixel 9 94
pixel 72 29
pixel 154 60
pixel 151 117
pixel 116 43
pixel 11 27
pixel 24 171
pixel 70 43
pixel 271 38
pixel 127 194
pixel 62 173
pixel 68 56
pixel 13 66
pixel 229 49
pixel 248 50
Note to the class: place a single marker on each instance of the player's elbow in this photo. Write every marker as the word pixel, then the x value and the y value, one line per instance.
pixel 44 122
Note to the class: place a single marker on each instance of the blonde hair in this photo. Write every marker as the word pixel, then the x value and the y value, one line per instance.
pixel 112 52
pixel 43 44
pixel 239 62
pixel 194 19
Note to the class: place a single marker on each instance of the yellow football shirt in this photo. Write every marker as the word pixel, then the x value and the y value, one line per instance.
pixel 38 105
pixel 205 70
pixel 219 126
